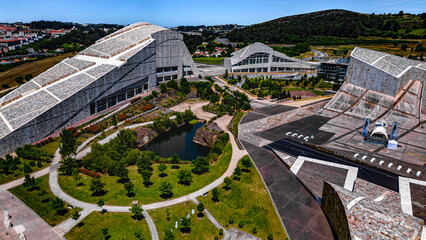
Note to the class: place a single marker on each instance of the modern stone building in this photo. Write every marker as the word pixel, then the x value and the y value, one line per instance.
pixel 334 71
pixel 128 62
pixel 258 59
pixel 384 73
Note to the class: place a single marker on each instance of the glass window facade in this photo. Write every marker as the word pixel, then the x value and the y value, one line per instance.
pixel 255 58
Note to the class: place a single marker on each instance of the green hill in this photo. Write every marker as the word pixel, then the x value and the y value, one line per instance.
pixel 333 25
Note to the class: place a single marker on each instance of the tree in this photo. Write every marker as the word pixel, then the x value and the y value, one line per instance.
pixel 114 121
pixel 227 182
pixel 28 77
pixel 59 206
pixel 246 162
pixel 27 168
pixel 139 234
pixel 68 165
pixel 200 208
pixel 162 167
pixel 201 165
pixel 163 88
pixel 76 176
pixel 175 159
pixel 105 233
pixel 185 177
pixel 145 161
pixel 146 175
pixel 173 84
pixel 132 156
pixel 68 145
pixel 122 172
pixel 185 225
pixel 76 215
pixel 130 188
pixel 238 171
pixel 137 211
pixel 154 93
pixel 97 186
pixel 215 195
pixel 270 236
pixel 166 190
pixel 19 80
pixel 100 202
pixel 30 183
pixel 168 235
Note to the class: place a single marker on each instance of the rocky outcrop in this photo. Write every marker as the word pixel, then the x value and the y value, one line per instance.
pixel 205 137
pixel 145 135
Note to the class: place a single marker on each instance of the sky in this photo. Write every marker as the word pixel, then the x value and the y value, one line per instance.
pixel 171 13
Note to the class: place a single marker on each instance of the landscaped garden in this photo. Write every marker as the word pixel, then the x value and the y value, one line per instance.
pixel 243 202
pixel 196 228
pixel 110 226
pixel 36 194
pixel 116 194
pixel 30 159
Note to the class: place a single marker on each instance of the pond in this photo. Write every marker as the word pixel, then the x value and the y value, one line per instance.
pixel 178 141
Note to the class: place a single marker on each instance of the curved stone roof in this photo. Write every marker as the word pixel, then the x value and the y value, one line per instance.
pixel 258 47
pixel 391 64
pixel 71 75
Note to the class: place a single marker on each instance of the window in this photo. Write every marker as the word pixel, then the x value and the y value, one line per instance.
pixel 121 97
pixel 255 58
pixel 138 90
pixel 112 101
pixel 102 105
pixel 278 59
pixel 167 69
pixel 130 93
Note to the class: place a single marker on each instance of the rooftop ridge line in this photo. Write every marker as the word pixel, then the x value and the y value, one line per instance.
pixel 6 122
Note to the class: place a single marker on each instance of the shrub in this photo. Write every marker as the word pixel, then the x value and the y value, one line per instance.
pixel 89 173
pixel 270 237
pixel 254 230
pixel 147 107
pixel 76 134
pixel 135 100
pixel 221 232
pixel 93 129
pixel 5 85
pixel 241 224
pixel 121 117
pixel 231 220
pixel 19 79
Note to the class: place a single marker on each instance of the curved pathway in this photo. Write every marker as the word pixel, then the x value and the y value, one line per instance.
pixel 237 154
pixel 67 225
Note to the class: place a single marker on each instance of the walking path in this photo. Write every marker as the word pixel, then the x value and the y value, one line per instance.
pixel 68 224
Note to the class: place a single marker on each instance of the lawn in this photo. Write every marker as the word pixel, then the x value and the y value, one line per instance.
pixel 247 201
pixel 209 60
pixel 201 229
pixel 35 68
pixel 40 201
pixel 50 147
pixel 116 194
pixel 236 122
pixel 120 226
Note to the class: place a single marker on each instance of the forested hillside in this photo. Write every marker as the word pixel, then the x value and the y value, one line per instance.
pixel 333 25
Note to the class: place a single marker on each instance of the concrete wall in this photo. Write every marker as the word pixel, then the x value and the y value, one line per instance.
pixel 335 212
pixel 366 76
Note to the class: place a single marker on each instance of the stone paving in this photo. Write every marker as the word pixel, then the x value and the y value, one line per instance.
pixel 35 226
pixel 377 213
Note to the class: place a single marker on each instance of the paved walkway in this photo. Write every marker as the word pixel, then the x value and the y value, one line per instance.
pixel 68 224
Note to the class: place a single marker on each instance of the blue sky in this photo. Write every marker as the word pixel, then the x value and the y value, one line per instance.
pixel 170 13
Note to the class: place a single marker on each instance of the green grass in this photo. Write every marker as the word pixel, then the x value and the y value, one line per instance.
pixel 50 147
pixel 116 194
pixel 209 60
pixel 34 201
pixel 236 122
pixel 201 229
pixel 247 201
pixel 120 226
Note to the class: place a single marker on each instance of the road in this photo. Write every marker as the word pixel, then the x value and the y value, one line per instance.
pixel 374 175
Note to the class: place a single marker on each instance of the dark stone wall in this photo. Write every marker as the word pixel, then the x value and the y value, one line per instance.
pixel 335 212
